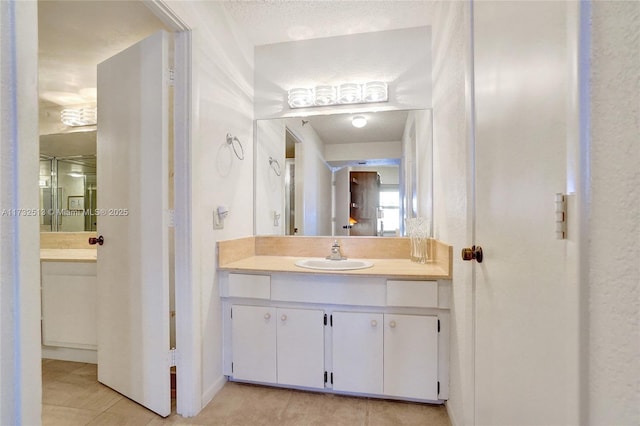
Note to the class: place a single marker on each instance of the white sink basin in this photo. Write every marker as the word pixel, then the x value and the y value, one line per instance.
pixel 334 265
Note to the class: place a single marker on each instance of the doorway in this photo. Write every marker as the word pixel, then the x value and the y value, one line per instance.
pixel 108 27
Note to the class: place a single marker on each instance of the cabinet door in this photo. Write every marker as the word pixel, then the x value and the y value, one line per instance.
pixel 69 304
pixel 358 352
pixel 253 342
pixel 301 347
pixel 411 356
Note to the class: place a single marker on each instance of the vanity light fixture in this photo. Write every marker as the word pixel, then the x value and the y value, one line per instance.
pixel 359 121
pixel 325 95
pixel 350 93
pixel 76 117
pixel 301 97
pixel 344 94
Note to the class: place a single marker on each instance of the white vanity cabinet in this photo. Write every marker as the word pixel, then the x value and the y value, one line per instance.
pixel 411 356
pixel 357 355
pixel 278 345
pixel 362 335
pixel 253 331
pixel 390 354
pixel 69 291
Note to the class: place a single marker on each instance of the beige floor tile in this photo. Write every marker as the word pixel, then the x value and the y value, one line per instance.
pixel 308 408
pixel 53 415
pixel 83 394
pixel 124 413
pixel 396 413
pixel 72 396
pixel 241 404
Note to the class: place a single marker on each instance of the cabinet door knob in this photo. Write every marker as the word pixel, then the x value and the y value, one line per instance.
pixel 374 323
pixel 267 316
pixel 283 317
pixel 392 324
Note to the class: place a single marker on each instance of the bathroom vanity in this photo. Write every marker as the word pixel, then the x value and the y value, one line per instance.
pixel 380 331
pixel 69 291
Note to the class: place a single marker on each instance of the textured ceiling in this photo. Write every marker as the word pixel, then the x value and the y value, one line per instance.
pixel 387 126
pixel 75 36
pixel 266 22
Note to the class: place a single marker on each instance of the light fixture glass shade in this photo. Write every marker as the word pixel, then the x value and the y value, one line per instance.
pixel 300 97
pixel 375 91
pixel 78 116
pixel 359 121
pixel 349 93
pixel 325 95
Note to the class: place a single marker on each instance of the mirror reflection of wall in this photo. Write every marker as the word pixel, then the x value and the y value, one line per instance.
pixel 68 186
pixel 315 194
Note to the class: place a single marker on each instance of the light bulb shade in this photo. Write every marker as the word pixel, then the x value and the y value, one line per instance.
pixel 359 121
pixel 375 91
pixel 325 95
pixel 300 97
pixel 78 116
pixel 349 93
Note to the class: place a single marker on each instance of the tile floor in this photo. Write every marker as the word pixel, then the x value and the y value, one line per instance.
pixel 72 396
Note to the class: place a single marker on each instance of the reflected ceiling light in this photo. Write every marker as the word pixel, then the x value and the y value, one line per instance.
pixel 359 121
pixel 78 116
pixel 344 94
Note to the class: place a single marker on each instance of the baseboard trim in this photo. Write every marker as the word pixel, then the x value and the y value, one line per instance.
pixel 208 395
pixel 70 354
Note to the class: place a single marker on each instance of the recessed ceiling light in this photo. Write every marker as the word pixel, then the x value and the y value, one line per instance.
pixel 359 121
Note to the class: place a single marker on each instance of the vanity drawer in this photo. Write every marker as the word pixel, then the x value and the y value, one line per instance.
pixel 252 286
pixel 418 294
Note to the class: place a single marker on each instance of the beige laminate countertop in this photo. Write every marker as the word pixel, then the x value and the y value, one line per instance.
pixel 389 268
pixel 69 255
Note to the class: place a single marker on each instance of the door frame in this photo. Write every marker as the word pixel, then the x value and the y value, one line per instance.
pixel 188 324
pixel 25 384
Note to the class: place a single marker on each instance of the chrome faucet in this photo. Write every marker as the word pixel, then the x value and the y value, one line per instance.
pixel 335 252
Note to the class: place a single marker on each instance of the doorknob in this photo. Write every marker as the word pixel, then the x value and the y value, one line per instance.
pixel 93 240
pixel 474 252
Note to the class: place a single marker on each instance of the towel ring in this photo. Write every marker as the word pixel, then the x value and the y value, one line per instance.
pixel 275 166
pixel 230 141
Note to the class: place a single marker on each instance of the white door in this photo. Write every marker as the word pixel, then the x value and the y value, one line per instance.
pixel 411 356
pixel 253 342
pixel 132 268
pixel 357 344
pixel 525 328
pixel 342 196
pixel 300 347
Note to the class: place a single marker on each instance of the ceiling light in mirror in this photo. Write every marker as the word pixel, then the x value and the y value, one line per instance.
pixel 78 116
pixel 359 121
pixel 325 95
pixel 300 97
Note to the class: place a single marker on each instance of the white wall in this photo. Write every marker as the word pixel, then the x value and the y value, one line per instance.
pixel 222 102
pixel 269 186
pixel 452 188
pixel 398 57
pixel 20 376
pixel 313 182
pixel 613 267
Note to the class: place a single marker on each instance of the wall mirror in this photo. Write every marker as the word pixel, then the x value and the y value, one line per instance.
pixel 68 185
pixel 323 175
